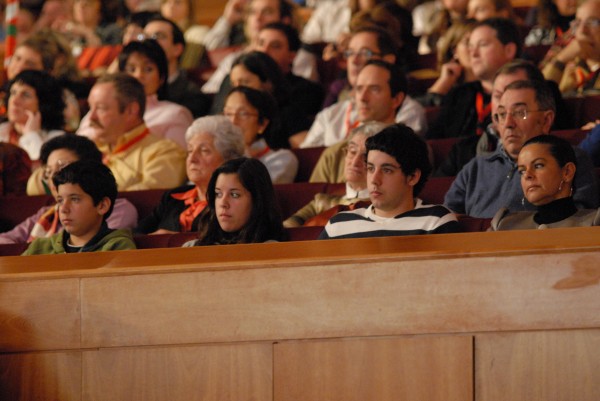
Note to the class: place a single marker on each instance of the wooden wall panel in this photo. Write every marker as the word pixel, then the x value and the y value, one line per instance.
pixel 346 300
pixel 41 376
pixel 192 373
pixel 538 366
pixel 386 369
pixel 39 315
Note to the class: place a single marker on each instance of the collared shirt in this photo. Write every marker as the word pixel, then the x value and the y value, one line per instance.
pixel 150 163
pixel 333 123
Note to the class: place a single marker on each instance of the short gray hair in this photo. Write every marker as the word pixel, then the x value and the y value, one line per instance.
pixel 368 129
pixel 229 140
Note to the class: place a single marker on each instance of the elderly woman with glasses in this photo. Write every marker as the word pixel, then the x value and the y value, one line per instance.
pixel 211 141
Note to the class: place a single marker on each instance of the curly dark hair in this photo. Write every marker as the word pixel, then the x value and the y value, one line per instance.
pixel 83 147
pixel 50 97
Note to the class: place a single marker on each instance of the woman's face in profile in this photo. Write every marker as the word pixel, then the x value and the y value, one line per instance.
pixel 542 179
pixel 233 203
pixel 144 70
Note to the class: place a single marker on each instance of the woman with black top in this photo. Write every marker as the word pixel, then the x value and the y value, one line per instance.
pixel 547 165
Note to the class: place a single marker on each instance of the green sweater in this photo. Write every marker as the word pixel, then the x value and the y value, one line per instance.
pixel 114 240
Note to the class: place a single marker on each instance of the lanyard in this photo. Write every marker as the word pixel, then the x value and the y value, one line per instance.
pixel 582 77
pixel 483 111
pixel 262 152
pixel 124 146
pixel 347 123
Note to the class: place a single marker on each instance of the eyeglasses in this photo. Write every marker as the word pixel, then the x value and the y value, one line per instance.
pixel 352 152
pixel 364 53
pixel 156 36
pixel 50 171
pixel 590 23
pixel 518 114
pixel 241 114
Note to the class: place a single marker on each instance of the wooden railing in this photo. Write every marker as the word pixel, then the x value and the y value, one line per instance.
pixel 477 316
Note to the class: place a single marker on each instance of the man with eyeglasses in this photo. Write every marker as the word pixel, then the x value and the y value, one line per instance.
pixel 397 169
pixel 576 68
pixel 466 110
pixel 466 149
pixel 488 183
pixel 180 89
pixel 333 124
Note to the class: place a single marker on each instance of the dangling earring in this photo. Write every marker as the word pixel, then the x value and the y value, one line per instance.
pixel 561 184
pixel 523 201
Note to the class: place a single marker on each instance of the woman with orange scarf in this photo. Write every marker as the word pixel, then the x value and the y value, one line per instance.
pixel 210 141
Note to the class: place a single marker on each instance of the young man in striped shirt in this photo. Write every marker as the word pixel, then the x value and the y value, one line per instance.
pixel 397 169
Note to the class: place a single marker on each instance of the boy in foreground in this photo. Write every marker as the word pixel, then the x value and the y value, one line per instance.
pixel 86 195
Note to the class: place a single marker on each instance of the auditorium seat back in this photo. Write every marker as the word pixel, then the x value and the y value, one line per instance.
pixel 307 159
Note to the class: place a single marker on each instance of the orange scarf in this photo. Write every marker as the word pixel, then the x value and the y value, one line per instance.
pixel 195 207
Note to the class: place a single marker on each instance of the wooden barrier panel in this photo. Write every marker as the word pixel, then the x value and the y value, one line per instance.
pixel 41 376
pixel 477 316
pixel 552 366
pixel 223 372
pixel 39 315
pixel 419 368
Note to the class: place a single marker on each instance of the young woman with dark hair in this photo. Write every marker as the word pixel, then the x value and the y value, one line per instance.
pixel 242 206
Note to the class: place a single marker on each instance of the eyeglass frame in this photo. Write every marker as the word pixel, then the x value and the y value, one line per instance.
pixel 500 118
pixel 241 114
pixel 48 172
pixel 364 53
pixel 346 152
pixel 593 23
pixel 140 37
